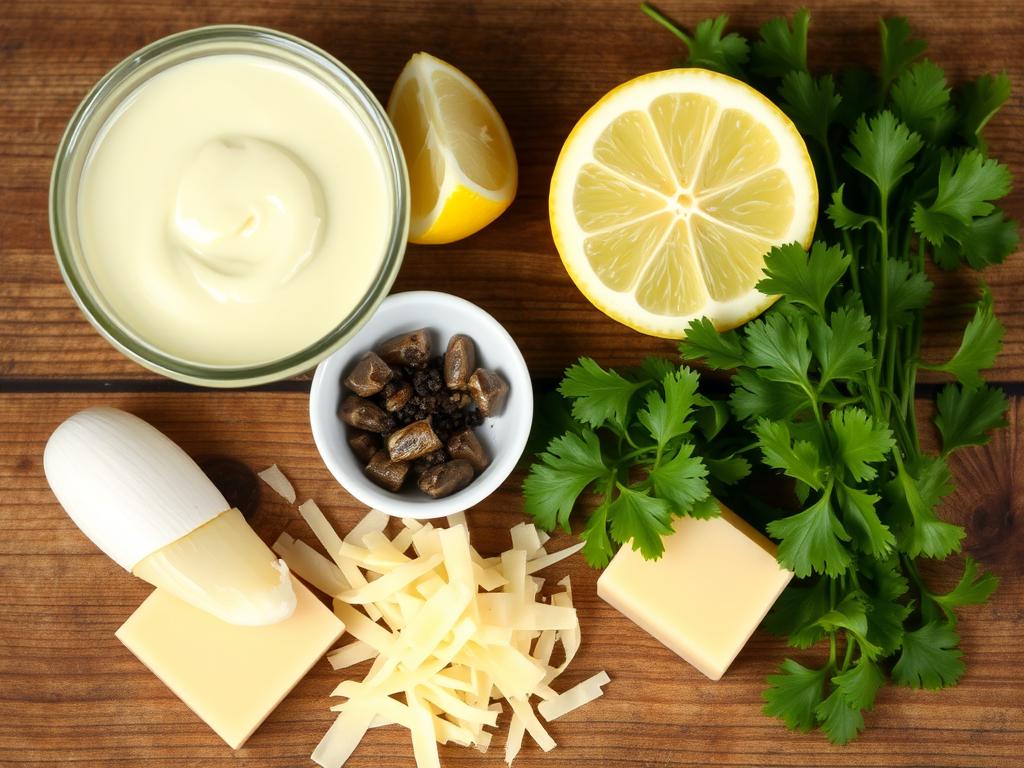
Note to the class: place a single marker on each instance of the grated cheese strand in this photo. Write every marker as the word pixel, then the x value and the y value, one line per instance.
pixel 280 484
pixel 574 698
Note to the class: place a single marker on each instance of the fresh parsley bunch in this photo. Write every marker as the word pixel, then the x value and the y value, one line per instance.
pixel 650 445
pixel 823 386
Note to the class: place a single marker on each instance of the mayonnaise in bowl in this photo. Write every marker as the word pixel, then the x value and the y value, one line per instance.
pixel 233 210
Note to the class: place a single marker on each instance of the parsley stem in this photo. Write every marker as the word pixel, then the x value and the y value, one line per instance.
pixel 664 21
pixel 635 454
pixel 844 233
pixel 883 289
pixel 832 634
pixel 850 642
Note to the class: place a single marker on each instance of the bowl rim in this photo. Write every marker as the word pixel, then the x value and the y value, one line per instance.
pixel 511 451
pixel 62 188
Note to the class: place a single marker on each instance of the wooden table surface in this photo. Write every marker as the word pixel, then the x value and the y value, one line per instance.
pixel 69 692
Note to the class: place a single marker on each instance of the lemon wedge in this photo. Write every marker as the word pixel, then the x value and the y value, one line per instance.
pixel 669 192
pixel 462 168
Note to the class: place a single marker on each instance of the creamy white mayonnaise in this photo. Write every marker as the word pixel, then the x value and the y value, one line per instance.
pixel 233 210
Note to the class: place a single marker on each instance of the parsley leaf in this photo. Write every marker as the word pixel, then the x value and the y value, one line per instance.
pixel 668 417
pixel 777 346
pixel 860 442
pixel 986 240
pixel 844 218
pixel 717 350
pixel 980 344
pixel 882 149
pixel 597 546
pixel 927 535
pixel 640 520
pixel 972 589
pixel 711 50
pixel 796 613
pixel 782 47
pixel 811 103
pixel 851 614
pixel 885 587
pixel 706 47
pixel 930 658
pixel 967 184
pixel 794 694
pixel 908 293
pixel 681 481
pixel 921 100
pixel 729 470
pixel 570 464
pixel 598 396
pixel 977 101
pixel 840 721
pixel 811 541
pixel 859 684
pixel 797 459
pixel 712 417
pixel 868 532
pixel 899 49
pixel 965 415
pixel 803 277
pixel 754 397
pixel 839 346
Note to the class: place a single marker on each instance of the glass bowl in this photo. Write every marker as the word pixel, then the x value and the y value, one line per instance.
pixel 118 85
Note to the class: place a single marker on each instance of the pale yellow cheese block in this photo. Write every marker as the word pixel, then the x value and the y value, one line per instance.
pixel 706 595
pixel 229 675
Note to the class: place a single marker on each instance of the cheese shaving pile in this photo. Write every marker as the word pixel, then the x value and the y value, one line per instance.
pixel 450 633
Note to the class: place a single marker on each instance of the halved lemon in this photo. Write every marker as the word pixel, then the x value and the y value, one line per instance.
pixel 462 168
pixel 669 192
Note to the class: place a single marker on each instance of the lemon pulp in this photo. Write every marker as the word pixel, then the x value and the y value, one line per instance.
pixel 670 191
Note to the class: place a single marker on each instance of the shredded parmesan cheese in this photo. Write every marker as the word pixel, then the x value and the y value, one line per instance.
pixel 275 478
pixel 458 631
pixel 574 698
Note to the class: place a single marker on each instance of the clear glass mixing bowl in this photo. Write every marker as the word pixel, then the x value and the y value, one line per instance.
pixel 118 85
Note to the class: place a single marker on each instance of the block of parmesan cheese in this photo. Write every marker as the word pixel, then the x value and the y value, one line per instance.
pixel 706 595
pixel 231 676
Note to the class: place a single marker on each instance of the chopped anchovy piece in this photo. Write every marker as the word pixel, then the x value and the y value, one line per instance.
pixel 411 442
pixel 396 396
pixel 364 445
pixel 446 479
pixel 386 473
pixel 362 414
pixel 412 349
pixel 465 445
pixel 369 376
pixel 489 391
pixel 459 361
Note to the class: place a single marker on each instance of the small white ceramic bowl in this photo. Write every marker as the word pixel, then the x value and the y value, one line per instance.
pixel 503 436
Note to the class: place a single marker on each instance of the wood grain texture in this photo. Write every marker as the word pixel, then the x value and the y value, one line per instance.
pixel 543 64
pixel 72 693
